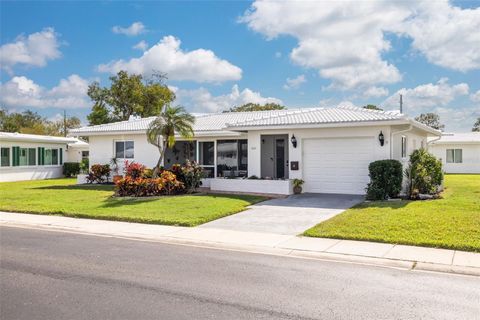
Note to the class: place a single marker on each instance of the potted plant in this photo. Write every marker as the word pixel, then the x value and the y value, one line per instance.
pixel 114 164
pixel 297 186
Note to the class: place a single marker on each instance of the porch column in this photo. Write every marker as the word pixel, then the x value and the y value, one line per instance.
pixel 254 154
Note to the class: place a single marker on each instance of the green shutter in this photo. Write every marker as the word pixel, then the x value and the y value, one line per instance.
pixel 15 156
pixel 43 156
pixel 60 151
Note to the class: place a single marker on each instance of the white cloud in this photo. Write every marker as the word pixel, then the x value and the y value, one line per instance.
pixel 32 50
pixel 448 36
pixel 199 65
pixel 142 45
pixel 294 83
pixel 201 100
pixel 20 91
pixel 134 29
pixel 375 92
pixel 475 97
pixel 428 95
pixel 345 40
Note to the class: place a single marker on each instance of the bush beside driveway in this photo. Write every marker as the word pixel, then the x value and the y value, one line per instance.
pixel 64 197
pixel 452 222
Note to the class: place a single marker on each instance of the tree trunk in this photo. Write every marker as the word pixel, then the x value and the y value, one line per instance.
pixel 162 150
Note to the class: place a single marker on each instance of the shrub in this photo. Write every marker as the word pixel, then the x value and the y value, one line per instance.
pixel 424 174
pixel 84 166
pixel 385 179
pixel 99 173
pixel 134 170
pixel 190 175
pixel 71 169
pixel 166 184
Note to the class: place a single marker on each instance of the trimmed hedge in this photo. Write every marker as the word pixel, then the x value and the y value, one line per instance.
pixel 385 179
pixel 71 169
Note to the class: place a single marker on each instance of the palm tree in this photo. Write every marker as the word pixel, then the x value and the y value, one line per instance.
pixel 161 132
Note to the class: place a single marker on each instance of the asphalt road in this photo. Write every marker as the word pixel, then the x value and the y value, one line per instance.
pixel 55 275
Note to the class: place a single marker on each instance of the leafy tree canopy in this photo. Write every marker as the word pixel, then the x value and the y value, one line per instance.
pixel 128 94
pixel 431 119
pixel 257 107
pixel 476 126
pixel 372 107
pixel 30 122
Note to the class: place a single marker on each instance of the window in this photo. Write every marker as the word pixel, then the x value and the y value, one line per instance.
pixel 32 157
pixel 54 156
pixel 5 153
pixel 454 156
pixel 232 158
pixel 23 157
pixel 124 149
pixel 84 155
pixel 404 147
pixel 48 157
pixel 206 157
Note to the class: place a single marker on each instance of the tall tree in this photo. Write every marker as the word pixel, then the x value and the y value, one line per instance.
pixel 161 132
pixel 372 107
pixel 128 94
pixel 257 107
pixel 99 114
pixel 476 125
pixel 430 119
pixel 32 123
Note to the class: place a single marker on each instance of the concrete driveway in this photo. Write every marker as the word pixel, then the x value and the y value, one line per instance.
pixel 291 215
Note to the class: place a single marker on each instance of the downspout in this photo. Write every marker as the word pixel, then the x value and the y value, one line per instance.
pixel 410 127
pixel 428 142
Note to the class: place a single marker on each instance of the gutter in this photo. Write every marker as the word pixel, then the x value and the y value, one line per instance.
pixel 410 127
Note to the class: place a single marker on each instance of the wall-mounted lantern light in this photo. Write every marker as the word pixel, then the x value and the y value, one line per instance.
pixel 294 141
pixel 381 138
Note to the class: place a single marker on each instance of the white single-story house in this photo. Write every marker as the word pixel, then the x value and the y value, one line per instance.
pixel 31 157
pixel 329 148
pixel 459 152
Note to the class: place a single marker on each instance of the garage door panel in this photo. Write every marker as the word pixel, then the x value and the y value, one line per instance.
pixel 337 165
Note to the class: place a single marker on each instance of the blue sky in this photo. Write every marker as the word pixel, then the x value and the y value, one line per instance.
pixel 302 55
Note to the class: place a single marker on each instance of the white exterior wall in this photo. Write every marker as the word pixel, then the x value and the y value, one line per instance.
pixel 20 173
pixel 470 157
pixel 415 140
pixel 102 149
pixel 75 154
pixel 296 154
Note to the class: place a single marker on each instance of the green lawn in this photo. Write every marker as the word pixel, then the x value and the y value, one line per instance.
pixel 63 197
pixel 452 222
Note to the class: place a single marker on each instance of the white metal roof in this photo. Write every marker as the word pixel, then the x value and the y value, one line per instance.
pixel 452 138
pixel 321 116
pixel 229 122
pixel 15 136
pixel 204 123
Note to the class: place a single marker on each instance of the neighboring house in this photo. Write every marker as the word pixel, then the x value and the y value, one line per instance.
pixel 77 151
pixel 459 152
pixel 31 157
pixel 328 148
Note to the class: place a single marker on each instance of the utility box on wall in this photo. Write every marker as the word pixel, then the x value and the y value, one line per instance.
pixel 294 165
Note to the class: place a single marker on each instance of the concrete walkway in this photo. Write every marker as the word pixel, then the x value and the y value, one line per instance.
pixel 291 215
pixel 381 254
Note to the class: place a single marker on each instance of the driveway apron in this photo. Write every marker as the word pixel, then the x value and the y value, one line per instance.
pixel 292 215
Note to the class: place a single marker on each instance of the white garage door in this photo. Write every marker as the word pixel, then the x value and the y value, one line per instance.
pixel 337 165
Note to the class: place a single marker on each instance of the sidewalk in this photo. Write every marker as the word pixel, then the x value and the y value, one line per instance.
pixel 380 254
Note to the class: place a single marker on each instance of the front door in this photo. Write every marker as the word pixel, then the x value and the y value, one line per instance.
pixel 280 158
